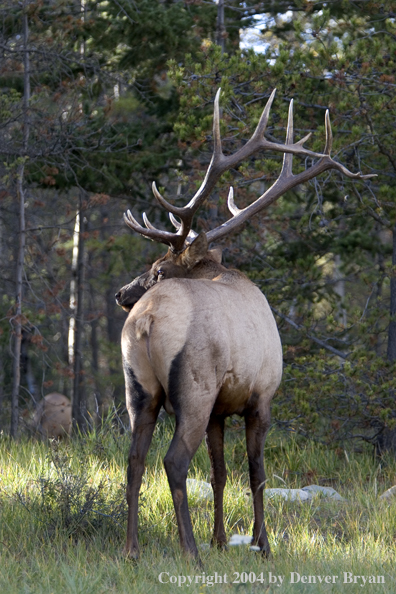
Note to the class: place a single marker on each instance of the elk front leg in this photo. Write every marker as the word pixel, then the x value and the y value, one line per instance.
pixel 218 475
pixel 143 424
pixel 257 424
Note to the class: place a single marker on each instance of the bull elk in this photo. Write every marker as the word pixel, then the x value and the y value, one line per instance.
pixel 201 340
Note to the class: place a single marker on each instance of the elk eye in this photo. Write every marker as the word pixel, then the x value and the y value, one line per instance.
pixel 160 273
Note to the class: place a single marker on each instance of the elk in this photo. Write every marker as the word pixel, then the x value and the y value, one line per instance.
pixel 53 416
pixel 201 340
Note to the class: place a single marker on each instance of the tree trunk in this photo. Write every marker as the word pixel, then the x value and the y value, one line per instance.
pixel 339 289
pixel 95 349
pixel 220 26
pixel 391 353
pixel 79 405
pixel 2 374
pixel 17 319
pixel 26 367
pixel 386 441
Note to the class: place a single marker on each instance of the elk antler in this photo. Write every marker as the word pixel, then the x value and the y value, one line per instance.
pixel 220 163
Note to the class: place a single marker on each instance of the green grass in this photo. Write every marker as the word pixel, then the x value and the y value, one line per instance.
pixel 63 519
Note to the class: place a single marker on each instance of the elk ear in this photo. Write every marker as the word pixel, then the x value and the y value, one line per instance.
pixel 216 254
pixel 195 252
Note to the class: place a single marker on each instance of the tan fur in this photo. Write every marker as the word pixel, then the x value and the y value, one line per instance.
pixel 246 340
pixel 53 416
pixel 143 325
pixel 157 350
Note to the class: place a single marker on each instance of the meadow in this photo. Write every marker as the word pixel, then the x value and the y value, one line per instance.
pixel 63 519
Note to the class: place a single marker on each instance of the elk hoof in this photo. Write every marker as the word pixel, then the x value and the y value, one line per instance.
pixel 265 552
pixel 221 545
pixel 198 563
pixel 131 554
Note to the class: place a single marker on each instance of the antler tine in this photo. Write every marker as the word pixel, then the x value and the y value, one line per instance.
pixel 331 164
pixel 216 125
pixel 147 222
pixel 288 157
pixel 131 221
pixel 262 125
pixel 234 210
pixel 191 234
pixel 329 134
pixel 290 125
pixel 304 140
pixel 161 200
pixel 174 221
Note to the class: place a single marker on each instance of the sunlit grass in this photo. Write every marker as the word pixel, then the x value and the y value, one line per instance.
pixel 62 518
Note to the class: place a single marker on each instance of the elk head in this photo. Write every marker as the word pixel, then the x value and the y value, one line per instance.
pixel 195 261
pixel 188 255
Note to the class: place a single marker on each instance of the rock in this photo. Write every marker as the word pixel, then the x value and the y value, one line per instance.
pixel 288 494
pixel 240 539
pixel 325 491
pixel 304 494
pixel 389 494
pixel 237 540
pixel 199 489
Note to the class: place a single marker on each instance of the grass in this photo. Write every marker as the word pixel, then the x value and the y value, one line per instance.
pixel 63 519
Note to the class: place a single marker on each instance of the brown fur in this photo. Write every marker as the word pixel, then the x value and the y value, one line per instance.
pixel 53 416
pixel 202 342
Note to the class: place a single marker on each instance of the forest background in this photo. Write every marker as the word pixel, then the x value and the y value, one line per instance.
pixel 99 99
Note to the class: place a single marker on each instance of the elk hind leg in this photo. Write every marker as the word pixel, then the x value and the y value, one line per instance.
pixel 141 438
pixel 218 475
pixel 257 424
pixel 184 444
pixel 143 411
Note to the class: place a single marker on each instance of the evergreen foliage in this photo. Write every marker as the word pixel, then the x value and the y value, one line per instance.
pixel 121 95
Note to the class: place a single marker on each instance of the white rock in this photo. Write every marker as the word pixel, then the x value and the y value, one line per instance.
pixel 326 491
pixel 199 489
pixel 240 539
pixel 288 494
pixel 389 494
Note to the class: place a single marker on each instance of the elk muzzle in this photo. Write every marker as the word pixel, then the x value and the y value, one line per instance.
pixel 130 294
